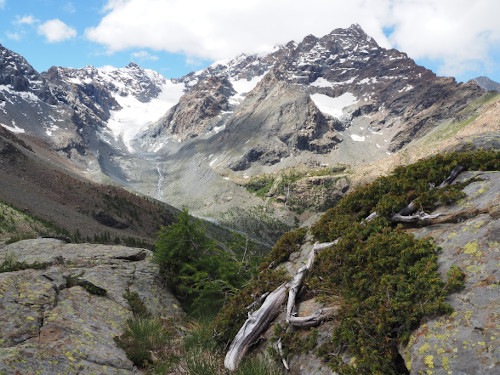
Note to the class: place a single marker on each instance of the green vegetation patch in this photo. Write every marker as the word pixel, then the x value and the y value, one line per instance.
pixel 284 186
pixel 286 245
pixel 10 264
pixel 390 194
pixel 198 271
pixel 386 280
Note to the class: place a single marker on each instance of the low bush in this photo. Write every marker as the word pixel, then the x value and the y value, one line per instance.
pixel 142 338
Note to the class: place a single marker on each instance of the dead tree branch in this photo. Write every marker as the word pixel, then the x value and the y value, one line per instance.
pixel 259 321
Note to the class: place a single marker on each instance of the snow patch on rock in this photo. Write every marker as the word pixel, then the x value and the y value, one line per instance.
pixel 334 106
pixel 136 115
pixel 14 128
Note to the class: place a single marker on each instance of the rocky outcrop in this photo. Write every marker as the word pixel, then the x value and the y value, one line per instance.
pixel 277 119
pixel 198 110
pixel 487 83
pixel 63 318
pixel 467 341
pixel 15 72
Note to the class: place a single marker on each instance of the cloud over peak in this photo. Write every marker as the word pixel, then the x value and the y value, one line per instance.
pixel 56 31
pixel 458 33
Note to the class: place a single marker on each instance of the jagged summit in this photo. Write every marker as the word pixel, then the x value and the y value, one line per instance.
pixel 487 84
pixel 343 69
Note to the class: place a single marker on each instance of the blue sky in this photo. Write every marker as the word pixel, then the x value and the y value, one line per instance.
pixel 459 38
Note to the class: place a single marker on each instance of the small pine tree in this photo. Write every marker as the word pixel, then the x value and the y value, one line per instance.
pixel 198 272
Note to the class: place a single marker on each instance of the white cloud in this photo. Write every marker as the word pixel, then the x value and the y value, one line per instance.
pixel 70 7
pixel 462 34
pixel 56 31
pixel 458 33
pixel 2 4
pixel 143 56
pixel 25 20
pixel 13 36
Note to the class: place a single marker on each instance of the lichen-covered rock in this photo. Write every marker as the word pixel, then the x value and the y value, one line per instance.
pixel 467 341
pixel 51 325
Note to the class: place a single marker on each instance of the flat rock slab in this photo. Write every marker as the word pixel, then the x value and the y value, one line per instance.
pixel 48 327
pixel 467 341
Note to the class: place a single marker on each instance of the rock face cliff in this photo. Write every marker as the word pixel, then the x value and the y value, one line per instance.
pixel 61 313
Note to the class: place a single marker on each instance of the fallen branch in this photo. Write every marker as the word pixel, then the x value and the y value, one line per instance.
pixel 299 276
pixel 312 320
pixel 407 215
pixel 419 216
pixel 254 326
pixel 259 321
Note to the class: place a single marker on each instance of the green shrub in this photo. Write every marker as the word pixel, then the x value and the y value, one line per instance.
pixel 198 272
pixel 386 280
pixel 390 194
pixel 142 337
pixel 286 245
pixel 137 306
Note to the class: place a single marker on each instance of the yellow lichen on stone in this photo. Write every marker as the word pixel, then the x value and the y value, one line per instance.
pixel 473 268
pixel 445 362
pixel 424 348
pixel 429 361
pixel 471 247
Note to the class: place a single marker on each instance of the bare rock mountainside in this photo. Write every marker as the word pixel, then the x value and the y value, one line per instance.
pixel 197 140
pixel 62 312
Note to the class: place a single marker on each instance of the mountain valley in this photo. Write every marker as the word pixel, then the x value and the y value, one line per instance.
pixel 196 141
pixel 337 165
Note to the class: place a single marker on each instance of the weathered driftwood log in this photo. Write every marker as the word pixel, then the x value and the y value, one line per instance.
pixel 312 320
pixel 296 282
pixel 259 321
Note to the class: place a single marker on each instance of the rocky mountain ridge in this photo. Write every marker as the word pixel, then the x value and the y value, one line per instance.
pixel 336 99
pixel 487 84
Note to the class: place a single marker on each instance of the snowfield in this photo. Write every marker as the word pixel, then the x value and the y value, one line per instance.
pixel 334 106
pixel 136 115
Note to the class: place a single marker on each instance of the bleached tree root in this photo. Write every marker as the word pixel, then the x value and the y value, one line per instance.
pixel 419 216
pixel 259 320
pixel 408 215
